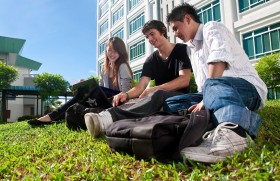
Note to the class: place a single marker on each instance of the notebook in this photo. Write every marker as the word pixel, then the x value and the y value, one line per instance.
pixel 91 91
pixel 101 97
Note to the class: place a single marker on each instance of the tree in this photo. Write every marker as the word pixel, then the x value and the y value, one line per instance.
pixel 50 85
pixel 268 69
pixel 95 77
pixel 8 75
pixel 193 86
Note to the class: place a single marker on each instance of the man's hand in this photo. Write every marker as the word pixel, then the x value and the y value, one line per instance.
pixel 119 98
pixel 147 91
pixel 197 107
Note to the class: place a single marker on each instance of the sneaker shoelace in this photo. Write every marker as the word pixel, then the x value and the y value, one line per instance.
pixel 214 134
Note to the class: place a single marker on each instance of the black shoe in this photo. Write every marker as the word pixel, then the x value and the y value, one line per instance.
pixel 37 122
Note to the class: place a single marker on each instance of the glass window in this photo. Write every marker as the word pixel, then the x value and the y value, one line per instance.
pixel 102 47
pixel 119 33
pixel 266 42
pixel 137 75
pixel 100 66
pixel 248 4
pixel 114 1
pixel 263 41
pixel 103 27
pixel 133 3
pixel 104 8
pixel 136 23
pixel 118 15
pixel 275 39
pixel 210 12
pixel 258 44
pixel 137 50
pixel 249 47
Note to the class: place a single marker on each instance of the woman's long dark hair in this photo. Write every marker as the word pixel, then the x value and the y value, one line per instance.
pixel 119 47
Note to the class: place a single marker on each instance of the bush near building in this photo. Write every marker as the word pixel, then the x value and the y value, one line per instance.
pixel 268 69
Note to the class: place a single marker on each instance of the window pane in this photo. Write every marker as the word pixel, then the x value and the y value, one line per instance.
pixel 243 5
pixel 209 14
pixel 249 47
pixel 217 13
pixel 205 18
pixel 275 39
pixel 266 43
pixel 258 44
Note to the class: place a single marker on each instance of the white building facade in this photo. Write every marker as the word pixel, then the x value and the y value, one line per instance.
pixel 18 105
pixel 255 24
pixel 125 18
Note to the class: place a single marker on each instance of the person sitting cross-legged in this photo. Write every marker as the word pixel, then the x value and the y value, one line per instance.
pixel 228 85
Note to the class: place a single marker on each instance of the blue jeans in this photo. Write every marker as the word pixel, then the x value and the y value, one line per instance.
pixel 229 99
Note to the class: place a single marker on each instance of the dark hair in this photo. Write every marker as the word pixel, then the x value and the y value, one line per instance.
pixel 155 24
pixel 178 13
pixel 119 47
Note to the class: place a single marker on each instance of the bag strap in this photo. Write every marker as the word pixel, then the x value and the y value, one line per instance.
pixel 199 123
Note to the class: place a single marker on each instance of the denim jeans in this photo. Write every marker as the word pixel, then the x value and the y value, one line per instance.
pixel 229 99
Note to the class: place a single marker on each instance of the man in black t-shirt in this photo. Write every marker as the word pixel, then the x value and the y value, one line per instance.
pixel 163 71
pixel 169 66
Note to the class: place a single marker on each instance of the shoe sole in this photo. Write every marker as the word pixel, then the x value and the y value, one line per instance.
pixel 92 124
pixel 201 157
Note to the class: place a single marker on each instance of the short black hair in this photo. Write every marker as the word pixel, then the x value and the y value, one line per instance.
pixel 178 13
pixel 155 24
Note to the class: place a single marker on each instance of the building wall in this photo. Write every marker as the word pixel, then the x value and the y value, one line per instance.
pixel 149 8
pixel 255 26
pixel 16 105
pixel 22 105
pixel 29 101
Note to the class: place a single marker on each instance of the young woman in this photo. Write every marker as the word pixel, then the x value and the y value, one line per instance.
pixel 116 74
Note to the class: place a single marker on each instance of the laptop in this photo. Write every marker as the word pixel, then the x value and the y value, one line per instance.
pixel 93 94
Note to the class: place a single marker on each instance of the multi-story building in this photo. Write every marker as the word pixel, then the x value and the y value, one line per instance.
pixel 18 105
pixel 125 18
pixel 255 24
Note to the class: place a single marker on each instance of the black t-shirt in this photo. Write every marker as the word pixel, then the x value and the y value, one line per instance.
pixel 163 71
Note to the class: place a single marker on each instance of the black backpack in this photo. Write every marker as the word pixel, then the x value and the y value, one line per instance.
pixel 74 116
pixel 161 136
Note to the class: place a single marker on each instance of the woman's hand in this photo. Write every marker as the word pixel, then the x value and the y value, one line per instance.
pixel 119 98
pixel 197 107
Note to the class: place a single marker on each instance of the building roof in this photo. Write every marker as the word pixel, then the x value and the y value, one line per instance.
pixel 23 90
pixel 14 45
pixel 27 63
pixel 11 45
pixel 27 90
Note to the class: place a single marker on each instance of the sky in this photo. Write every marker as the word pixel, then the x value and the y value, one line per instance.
pixel 60 34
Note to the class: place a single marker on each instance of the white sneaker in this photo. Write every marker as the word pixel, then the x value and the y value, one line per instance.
pixel 217 145
pixel 97 122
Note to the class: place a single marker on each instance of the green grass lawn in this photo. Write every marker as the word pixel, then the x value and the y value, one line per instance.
pixel 55 153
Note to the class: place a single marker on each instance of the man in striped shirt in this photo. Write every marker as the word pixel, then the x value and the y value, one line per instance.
pixel 228 86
